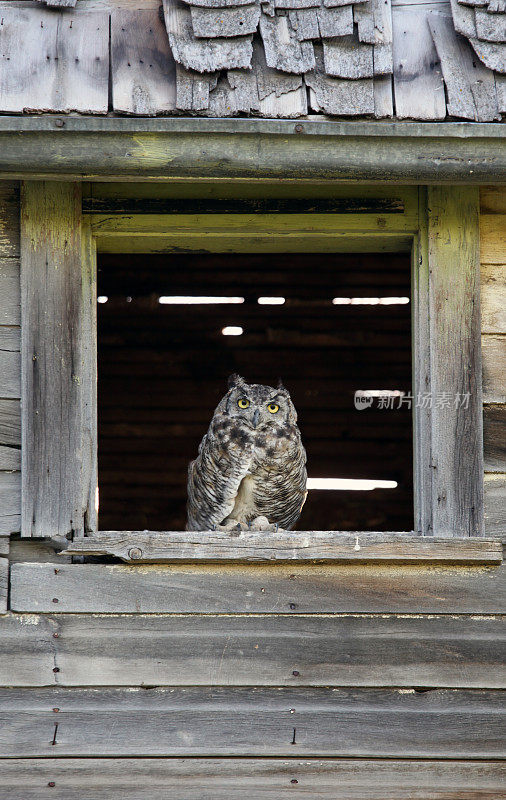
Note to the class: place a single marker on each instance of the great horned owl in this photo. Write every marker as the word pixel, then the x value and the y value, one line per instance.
pixel 251 467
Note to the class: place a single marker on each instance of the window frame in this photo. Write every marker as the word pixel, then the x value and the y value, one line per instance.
pixel 439 225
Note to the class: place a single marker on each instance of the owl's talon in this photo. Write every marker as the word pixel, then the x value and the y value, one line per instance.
pixel 213 527
pixel 276 527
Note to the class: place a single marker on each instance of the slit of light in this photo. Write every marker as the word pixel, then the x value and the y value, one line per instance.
pixel 349 484
pixel 370 301
pixel 232 330
pixel 102 298
pixel 186 300
pixel 379 393
pixel 271 301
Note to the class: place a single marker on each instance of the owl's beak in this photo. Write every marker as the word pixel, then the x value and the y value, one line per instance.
pixel 256 417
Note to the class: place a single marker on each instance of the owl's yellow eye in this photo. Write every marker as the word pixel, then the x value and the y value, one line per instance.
pixel 273 408
pixel 243 403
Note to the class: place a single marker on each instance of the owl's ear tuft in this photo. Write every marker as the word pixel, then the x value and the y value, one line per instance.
pixel 235 380
pixel 282 388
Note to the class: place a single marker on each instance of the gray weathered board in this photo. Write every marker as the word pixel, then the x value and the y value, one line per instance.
pixel 255 546
pixel 10 502
pixel 56 61
pixel 273 589
pixel 4 573
pixel 201 721
pixel 493 350
pixel 252 650
pixel 495 506
pixel 457 428
pixel 262 779
pixel 56 343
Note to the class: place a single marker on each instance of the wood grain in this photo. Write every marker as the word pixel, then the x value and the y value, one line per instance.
pixel 494 438
pixel 495 504
pixel 4 573
pixel 493 238
pixel 418 82
pixel 143 69
pixel 9 229
pixel 493 350
pixel 457 435
pixel 252 650
pixel 10 502
pixel 255 722
pixel 276 589
pixel 493 297
pixel 10 422
pixel 239 778
pixel 256 546
pixel 51 53
pixel 9 288
pixel 56 349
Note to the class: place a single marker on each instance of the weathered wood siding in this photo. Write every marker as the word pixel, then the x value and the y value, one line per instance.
pixel 493 326
pixel 10 369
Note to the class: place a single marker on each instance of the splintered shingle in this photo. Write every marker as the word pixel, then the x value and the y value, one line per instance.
pixel 491 27
pixel 500 87
pixel 492 54
pixel 374 21
pixel 217 3
pixel 497 6
pixel 305 23
pixel 463 19
pixel 283 50
pixel 470 87
pixel 296 4
pixel 346 57
pixel 335 21
pixel 335 3
pixel 337 96
pixel 260 90
pixel 192 89
pixel 231 21
pixel 315 23
pixel 203 55
pixel 473 2
pixel 59 3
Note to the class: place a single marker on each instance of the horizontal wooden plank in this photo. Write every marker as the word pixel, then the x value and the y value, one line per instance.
pixel 252 650
pixel 493 349
pixel 10 308
pixel 263 779
pixel 9 220
pixel 10 458
pixel 494 438
pixel 36 550
pixel 10 422
pixel 492 200
pixel 10 501
pixel 493 238
pixel 493 297
pixel 256 722
pixel 274 589
pixel 4 578
pixel 495 504
pixel 10 374
pixel 257 546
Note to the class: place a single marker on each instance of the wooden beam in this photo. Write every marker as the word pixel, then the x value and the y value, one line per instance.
pixel 243 589
pixel 226 721
pixel 455 361
pixel 261 778
pixel 160 149
pixel 56 350
pixel 299 546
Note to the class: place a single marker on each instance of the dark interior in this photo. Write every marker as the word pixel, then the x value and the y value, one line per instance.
pixel 163 368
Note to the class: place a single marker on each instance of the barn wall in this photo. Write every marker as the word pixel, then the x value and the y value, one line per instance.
pixel 493 312
pixel 336 681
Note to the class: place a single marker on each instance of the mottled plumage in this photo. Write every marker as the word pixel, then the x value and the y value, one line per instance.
pixel 251 463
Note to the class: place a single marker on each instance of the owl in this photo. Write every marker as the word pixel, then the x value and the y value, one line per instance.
pixel 250 471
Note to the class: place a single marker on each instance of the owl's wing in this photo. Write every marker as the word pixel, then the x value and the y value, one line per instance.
pixel 215 475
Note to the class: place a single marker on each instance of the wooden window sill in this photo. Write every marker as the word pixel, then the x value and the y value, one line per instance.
pixel 141 547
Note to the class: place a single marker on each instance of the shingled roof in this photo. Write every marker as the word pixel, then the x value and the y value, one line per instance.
pixel 272 58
